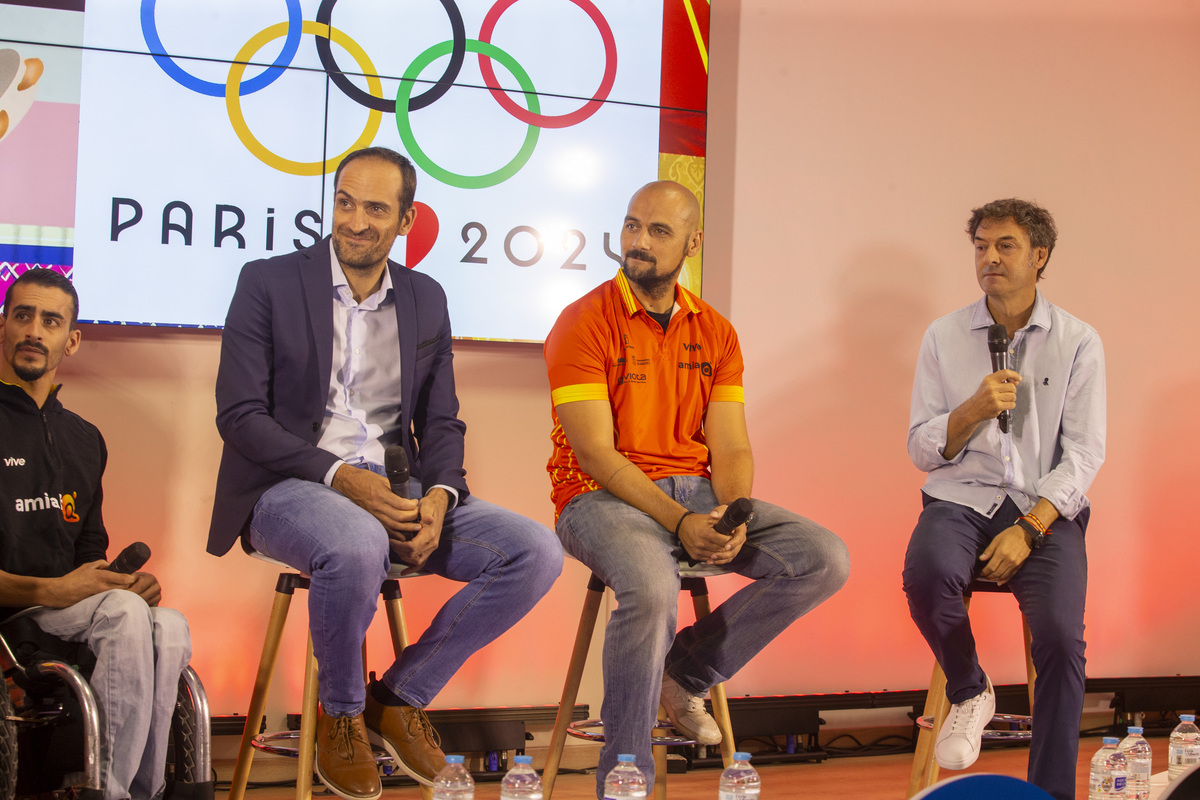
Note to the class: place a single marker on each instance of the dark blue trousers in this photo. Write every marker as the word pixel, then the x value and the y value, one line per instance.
pixel 1050 587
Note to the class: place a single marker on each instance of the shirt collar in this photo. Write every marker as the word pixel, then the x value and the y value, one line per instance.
pixel 341 286
pixel 1039 317
pixel 683 298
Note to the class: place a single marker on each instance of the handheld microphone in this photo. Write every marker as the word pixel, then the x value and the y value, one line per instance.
pixel 998 346
pixel 131 559
pixel 737 513
pixel 395 464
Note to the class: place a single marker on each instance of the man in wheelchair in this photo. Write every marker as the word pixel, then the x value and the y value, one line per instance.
pixel 53 543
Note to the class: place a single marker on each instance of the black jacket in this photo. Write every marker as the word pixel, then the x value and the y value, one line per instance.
pixel 51 462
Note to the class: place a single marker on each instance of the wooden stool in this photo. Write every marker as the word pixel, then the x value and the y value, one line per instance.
pixel 692 579
pixel 937 705
pixel 285 586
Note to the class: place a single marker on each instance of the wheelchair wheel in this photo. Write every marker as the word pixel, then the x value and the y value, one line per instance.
pixel 8 747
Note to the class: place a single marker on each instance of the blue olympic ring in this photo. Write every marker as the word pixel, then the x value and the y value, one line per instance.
pixel 268 76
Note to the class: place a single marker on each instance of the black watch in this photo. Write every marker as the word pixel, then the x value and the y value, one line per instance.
pixel 1036 537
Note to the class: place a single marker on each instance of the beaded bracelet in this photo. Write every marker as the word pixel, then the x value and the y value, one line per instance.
pixel 1037 523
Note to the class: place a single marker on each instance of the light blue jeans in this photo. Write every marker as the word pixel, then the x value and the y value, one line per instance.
pixel 795 563
pixel 140 652
pixel 506 560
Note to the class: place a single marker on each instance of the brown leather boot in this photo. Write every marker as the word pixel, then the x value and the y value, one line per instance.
pixel 344 759
pixel 405 733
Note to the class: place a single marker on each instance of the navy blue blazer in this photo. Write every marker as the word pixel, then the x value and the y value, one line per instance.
pixel 273 383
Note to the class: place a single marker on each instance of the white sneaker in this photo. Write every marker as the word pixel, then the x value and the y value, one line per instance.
pixel 687 713
pixel 958 742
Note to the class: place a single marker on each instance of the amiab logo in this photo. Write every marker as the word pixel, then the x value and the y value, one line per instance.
pixel 704 366
pixel 64 503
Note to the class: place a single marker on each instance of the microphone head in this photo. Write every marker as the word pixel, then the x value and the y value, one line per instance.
pixel 131 559
pixel 138 554
pixel 739 511
pixel 395 463
pixel 997 338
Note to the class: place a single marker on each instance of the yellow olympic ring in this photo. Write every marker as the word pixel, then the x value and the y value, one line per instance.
pixel 233 98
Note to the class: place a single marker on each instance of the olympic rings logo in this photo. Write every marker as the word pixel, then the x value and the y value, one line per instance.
pixel 237 85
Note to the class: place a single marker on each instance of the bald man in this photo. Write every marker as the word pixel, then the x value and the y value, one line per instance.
pixel 650 445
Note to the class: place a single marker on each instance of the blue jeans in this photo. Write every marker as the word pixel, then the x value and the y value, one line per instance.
pixel 506 560
pixel 795 563
pixel 1050 587
pixel 140 652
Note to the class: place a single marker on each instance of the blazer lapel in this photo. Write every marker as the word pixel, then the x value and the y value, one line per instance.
pixel 318 297
pixel 406 324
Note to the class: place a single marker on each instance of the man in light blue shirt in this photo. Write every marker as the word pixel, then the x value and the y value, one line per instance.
pixel 1007 506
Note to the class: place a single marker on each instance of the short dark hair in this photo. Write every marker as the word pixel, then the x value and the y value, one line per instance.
pixel 408 172
pixel 49 279
pixel 1033 219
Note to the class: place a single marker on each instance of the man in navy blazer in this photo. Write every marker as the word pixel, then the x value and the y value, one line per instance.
pixel 329 356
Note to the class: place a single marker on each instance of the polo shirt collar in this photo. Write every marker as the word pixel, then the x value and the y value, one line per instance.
pixel 683 298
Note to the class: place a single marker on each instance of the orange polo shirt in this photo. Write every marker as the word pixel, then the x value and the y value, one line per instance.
pixel 605 346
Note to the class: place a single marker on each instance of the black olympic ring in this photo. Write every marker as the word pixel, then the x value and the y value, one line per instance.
pixel 429 96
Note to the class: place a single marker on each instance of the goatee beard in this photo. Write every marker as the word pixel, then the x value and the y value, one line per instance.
pixel 652 284
pixel 28 374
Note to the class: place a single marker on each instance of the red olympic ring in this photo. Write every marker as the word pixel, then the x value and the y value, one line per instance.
pixel 543 120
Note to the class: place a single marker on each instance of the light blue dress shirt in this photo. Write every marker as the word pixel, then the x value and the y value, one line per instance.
pixel 1055 443
pixel 362 411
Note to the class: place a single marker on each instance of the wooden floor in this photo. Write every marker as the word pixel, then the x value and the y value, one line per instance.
pixel 861 778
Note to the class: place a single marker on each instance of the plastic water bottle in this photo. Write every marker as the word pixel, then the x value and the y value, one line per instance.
pixel 625 780
pixel 1184 749
pixel 454 782
pixel 1108 772
pixel 739 781
pixel 1137 764
pixel 521 782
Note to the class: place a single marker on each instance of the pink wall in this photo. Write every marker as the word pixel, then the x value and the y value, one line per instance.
pixel 847 144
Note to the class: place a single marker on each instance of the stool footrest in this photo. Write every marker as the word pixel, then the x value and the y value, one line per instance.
pixel 287 743
pixel 592 730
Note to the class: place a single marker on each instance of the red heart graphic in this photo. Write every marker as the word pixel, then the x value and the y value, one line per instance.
pixel 421 237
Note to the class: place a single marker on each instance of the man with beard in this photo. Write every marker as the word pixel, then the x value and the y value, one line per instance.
pixel 53 543
pixel 329 356
pixel 1006 500
pixel 650 445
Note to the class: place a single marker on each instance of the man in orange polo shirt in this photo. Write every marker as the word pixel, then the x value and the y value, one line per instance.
pixel 650 445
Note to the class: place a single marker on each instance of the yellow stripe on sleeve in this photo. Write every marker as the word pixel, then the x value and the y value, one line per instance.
pixel 579 391
pixel 728 394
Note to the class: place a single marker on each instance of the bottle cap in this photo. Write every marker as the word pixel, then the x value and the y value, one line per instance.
pixel 1109 740
pixel 740 756
pixel 1187 717
pixel 454 759
pixel 1135 729
pixel 523 759
pixel 627 758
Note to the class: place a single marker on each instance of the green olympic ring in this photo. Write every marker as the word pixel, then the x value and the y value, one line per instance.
pixel 410 141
